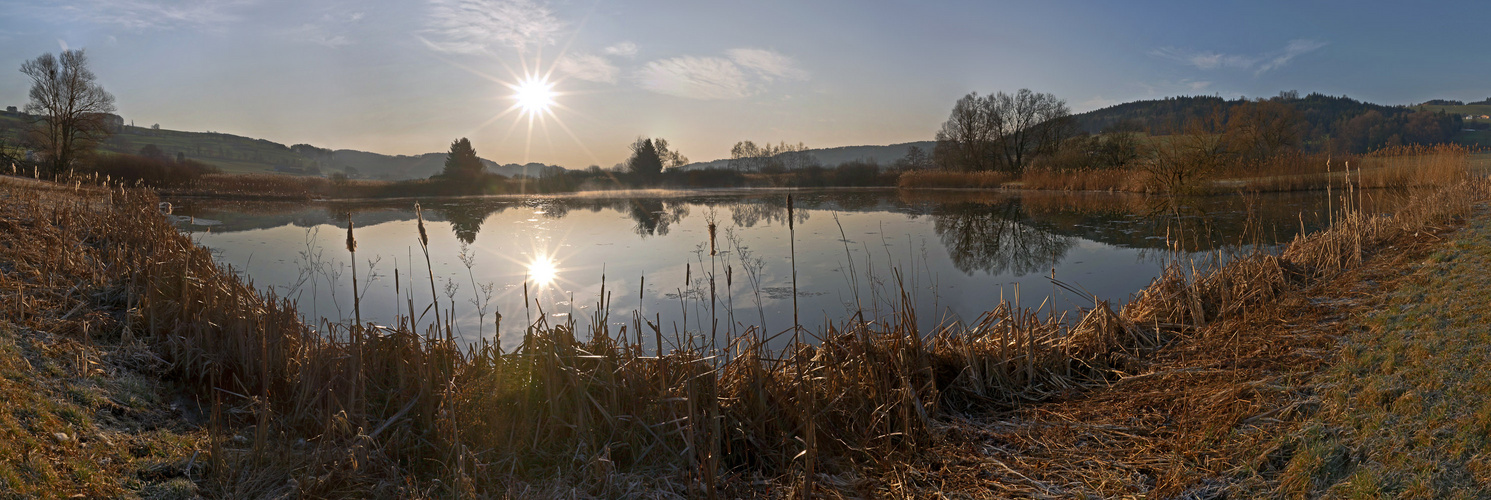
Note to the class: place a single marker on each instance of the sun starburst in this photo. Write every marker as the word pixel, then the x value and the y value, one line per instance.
pixel 534 96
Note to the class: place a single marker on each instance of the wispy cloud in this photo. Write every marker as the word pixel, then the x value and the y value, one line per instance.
pixel 330 31
pixel 768 64
pixel 319 35
pixel 695 78
pixel 623 49
pixel 1294 49
pixel 473 26
pixel 1257 63
pixel 743 74
pixel 587 67
pixel 141 15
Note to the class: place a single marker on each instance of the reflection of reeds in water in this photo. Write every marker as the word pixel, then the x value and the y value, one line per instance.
pixel 590 407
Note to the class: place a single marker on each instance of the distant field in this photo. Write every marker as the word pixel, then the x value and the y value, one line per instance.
pixel 1477 138
pixel 1473 110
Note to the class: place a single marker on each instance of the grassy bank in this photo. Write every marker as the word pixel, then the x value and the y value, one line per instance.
pixel 1404 411
pixel 585 411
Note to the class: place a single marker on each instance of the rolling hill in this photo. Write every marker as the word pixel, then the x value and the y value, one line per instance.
pixel 244 155
pixel 883 155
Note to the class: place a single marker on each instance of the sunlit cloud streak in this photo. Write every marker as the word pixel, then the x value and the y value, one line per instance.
pixel 142 15
pixel 623 49
pixel 742 75
pixel 767 64
pixel 588 67
pixel 705 78
pixel 476 26
pixel 1259 63
pixel 328 32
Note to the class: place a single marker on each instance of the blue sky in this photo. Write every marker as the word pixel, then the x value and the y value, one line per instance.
pixel 407 77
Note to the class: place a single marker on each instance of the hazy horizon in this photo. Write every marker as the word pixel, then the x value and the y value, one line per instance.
pixel 407 79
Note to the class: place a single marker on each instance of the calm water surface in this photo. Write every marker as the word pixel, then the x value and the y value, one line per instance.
pixel 954 253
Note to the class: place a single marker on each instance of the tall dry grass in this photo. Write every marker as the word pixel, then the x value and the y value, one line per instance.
pixel 1125 180
pixel 915 179
pixel 403 410
pixel 1398 167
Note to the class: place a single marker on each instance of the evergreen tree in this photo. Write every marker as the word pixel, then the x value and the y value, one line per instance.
pixel 462 162
pixel 645 160
pixel 650 156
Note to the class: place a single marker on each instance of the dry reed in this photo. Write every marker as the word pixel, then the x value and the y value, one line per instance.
pixel 590 408
pixel 920 179
pixel 1132 181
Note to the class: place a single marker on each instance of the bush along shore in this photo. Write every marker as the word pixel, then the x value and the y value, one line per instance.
pixel 1197 384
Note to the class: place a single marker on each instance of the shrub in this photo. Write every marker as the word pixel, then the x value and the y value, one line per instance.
pixel 155 172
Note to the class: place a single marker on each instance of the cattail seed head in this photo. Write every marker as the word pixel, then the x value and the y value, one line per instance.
pixel 789 212
pixel 711 238
pixel 424 238
pixel 351 241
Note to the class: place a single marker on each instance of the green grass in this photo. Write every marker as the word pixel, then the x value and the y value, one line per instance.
pixel 1406 413
pixel 43 395
pixel 1469 109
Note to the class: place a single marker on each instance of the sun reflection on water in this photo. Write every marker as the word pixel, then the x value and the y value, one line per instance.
pixel 542 270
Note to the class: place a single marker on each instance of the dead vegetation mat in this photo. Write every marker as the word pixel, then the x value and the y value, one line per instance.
pixel 1219 411
pixel 1193 389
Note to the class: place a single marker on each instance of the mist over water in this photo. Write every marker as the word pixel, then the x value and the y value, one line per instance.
pixel 955 254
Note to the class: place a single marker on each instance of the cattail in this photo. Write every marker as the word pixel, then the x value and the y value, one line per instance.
pixel 712 226
pixel 351 241
pixel 789 212
pixel 424 238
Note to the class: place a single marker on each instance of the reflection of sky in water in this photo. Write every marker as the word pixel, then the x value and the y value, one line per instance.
pixel 956 254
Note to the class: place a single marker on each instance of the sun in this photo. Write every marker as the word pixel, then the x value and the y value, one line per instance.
pixel 534 95
pixel 542 270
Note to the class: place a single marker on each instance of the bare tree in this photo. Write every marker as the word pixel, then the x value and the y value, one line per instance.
pixel 1119 146
pixel 746 156
pixel 1182 162
pixel 1034 124
pixel 70 110
pixel 1003 131
pixel 749 157
pixel 915 159
pixel 1261 129
pixel 967 138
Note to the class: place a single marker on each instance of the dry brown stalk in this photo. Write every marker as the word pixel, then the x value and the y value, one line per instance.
pixel 484 420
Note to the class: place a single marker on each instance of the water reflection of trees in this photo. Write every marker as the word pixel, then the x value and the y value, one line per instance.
pixel 750 212
pixel 996 239
pixel 466 219
pixel 653 216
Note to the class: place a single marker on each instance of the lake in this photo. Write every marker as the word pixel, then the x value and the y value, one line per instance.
pixel 953 253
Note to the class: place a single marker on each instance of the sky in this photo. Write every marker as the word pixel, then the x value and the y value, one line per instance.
pixel 409 77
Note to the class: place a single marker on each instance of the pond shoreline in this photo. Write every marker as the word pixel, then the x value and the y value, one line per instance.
pixel 943 398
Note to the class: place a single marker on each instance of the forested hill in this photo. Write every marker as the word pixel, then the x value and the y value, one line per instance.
pixel 1337 123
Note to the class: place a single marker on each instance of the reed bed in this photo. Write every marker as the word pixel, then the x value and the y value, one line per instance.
pixel 258 186
pixel 404 410
pixel 1399 167
pixel 920 179
pixel 1125 180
